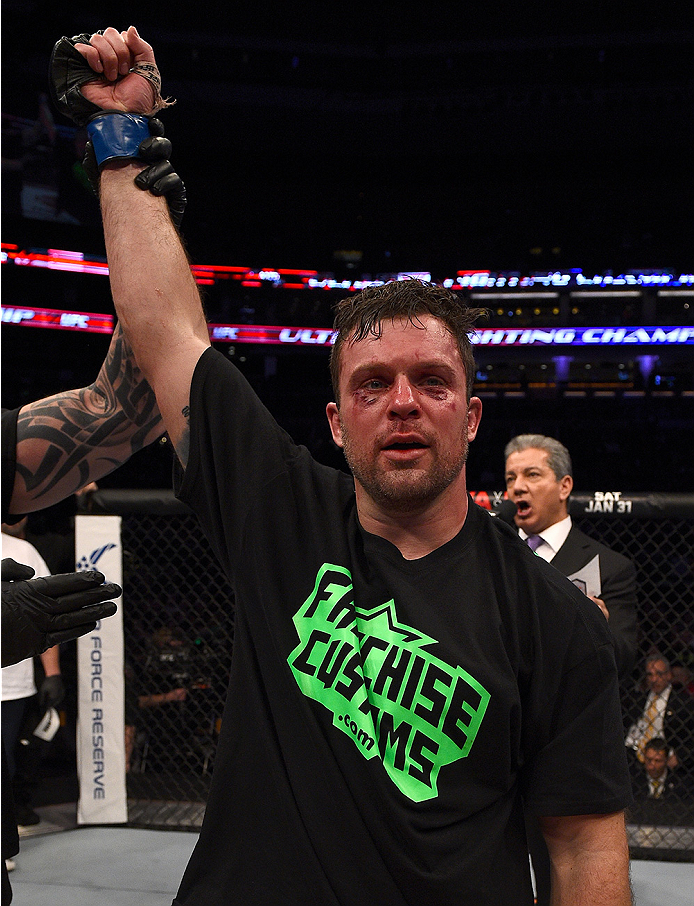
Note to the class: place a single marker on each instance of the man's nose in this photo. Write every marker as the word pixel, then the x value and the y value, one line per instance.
pixel 403 401
pixel 516 485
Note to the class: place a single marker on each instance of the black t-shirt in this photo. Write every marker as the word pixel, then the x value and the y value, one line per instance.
pixel 384 716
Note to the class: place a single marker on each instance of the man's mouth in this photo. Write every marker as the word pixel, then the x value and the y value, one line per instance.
pixel 522 507
pixel 403 449
pixel 406 445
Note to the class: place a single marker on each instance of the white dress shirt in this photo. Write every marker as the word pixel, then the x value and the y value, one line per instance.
pixel 643 726
pixel 18 679
pixel 552 538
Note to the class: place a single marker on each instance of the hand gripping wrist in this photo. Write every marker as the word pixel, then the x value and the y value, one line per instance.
pixel 117 135
pixel 69 71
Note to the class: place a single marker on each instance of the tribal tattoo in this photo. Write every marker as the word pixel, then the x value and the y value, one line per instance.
pixel 70 439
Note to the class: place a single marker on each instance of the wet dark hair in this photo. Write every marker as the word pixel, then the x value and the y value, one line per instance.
pixel 363 314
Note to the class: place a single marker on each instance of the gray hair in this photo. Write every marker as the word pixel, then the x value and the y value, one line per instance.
pixel 558 458
pixel 652 658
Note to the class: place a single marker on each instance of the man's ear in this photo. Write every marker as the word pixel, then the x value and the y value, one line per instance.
pixel 474 414
pixel 565 487
pixel 333 414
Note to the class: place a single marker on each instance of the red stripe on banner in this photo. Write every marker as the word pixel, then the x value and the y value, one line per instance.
pixel 85 322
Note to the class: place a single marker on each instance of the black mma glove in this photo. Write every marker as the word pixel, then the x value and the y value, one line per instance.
pixel 67 72
pixel 124 137
pixel 40 613
pixel 51 693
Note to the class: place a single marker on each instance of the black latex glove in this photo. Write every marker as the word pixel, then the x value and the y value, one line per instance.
pixel 160 178
pixel 51 693
pixel 40 613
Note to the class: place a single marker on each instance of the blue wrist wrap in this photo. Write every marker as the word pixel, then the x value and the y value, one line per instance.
pixel 117 135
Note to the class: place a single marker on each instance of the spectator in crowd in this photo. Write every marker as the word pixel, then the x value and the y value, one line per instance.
pixel 155 695
pixel 655 781
pixel 164 682
pixel 662 796
pixel 667 713
pixel 683 678
pixel 539 481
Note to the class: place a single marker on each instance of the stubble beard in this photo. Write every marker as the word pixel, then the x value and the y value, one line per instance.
pixel 407 488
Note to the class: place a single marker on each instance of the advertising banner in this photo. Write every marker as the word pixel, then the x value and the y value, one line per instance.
pixel 100 686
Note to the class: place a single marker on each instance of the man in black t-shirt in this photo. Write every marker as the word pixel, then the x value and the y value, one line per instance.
pixel 404 670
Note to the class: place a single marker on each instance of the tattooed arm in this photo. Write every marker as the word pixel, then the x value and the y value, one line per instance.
pixel 67 440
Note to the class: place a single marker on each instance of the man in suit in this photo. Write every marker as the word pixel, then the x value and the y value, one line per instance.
pixel 655 781
pixel 539 481
pixel 666 713
pixel 661 796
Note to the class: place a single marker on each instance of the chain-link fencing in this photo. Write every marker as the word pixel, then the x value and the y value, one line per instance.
pixel 657 534
pixel 178 638
pixel 178 623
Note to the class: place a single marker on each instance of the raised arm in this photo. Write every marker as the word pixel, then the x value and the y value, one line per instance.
pixel 71 439
pixel 153 289
pixel 155 294
pixel 67 440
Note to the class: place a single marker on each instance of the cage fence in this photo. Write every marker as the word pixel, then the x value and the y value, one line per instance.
pixel 658 536
pixel 178 625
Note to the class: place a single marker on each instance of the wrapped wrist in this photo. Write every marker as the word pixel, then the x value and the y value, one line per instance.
pixel 115 135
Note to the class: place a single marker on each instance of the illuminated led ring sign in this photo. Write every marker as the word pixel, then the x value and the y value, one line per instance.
pixel 506 337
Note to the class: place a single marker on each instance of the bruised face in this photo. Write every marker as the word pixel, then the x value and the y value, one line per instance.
pixel 540 497
pixel 404 421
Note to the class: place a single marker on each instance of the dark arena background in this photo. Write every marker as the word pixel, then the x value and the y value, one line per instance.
pixel 540 167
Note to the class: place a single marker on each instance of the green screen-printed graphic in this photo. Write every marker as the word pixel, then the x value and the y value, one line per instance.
pixel 396 700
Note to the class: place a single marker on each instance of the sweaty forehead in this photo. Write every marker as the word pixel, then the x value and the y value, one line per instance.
pixel 400 337
pixel 402 346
